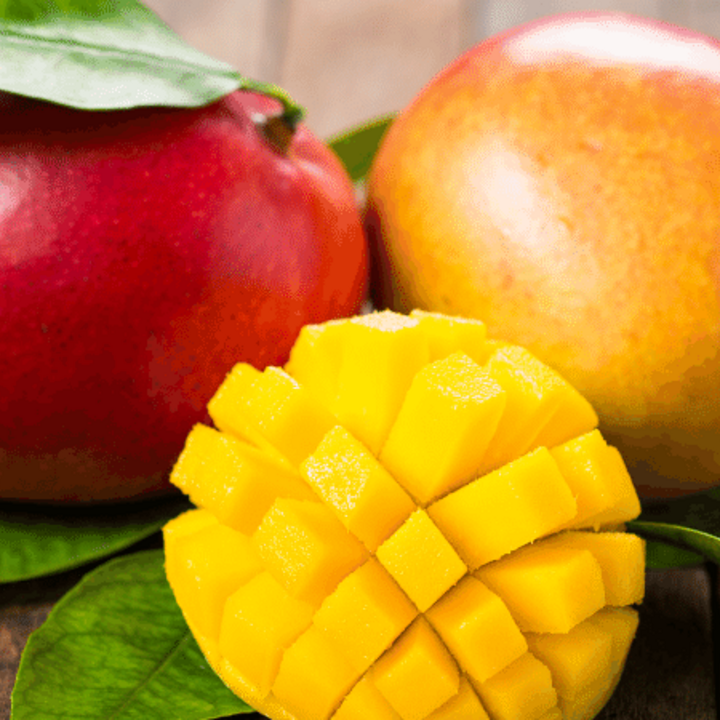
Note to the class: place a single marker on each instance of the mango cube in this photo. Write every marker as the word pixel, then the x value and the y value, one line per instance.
pixel 365 701
pixel 421 560
pixel 382 353
pixel 313 677
pixel 365 614
pixel 233 479
pixel 586 662
pixel 548 587
pixel 306 548
pixel 554 713
pixel 599 480
pixel 411 521
pixel 573 416
pixel 522 691
pixel 534 393
pixel 417 675
pixel 502 511
pixel 272 410
pixel 315 360
pixel 188 523
pixel 477 627
pixel 204 568
pixel 621 623
pixel 462 706
pixel 448 417
pixel 264 616
pixel 447 335
pixel 365 497
pixel 579 661
pixel 621 557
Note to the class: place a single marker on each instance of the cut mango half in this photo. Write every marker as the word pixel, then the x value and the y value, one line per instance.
pixel 409 521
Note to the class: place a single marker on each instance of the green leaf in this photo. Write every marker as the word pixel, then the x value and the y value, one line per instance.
pixel 690 525
pixel 116 647
pixel 661 556
pixel 108 54
pixel 683 538
pixel 356 148
pixel 41 541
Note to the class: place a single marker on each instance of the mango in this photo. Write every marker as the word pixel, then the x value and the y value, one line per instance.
pixel 559 181
pixel 410 521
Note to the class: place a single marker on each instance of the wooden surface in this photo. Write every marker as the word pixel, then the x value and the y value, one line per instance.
pixel 347 62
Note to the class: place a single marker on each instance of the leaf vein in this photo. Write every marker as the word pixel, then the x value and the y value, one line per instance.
pixel 113 52
pixel 165 661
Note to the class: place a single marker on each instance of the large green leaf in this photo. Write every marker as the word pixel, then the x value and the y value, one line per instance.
pixel 37 541
pixel 356 148
pixel 107 54
pixel 116 647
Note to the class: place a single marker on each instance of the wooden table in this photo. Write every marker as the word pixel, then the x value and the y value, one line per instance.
pixel 669 675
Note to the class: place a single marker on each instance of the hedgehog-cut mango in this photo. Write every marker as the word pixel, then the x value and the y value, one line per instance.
pixel 410 521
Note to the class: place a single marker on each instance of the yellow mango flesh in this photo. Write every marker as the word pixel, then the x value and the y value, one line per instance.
pixel 447 335
pixel 599 481
pixel 365 614
pixel 505 509
pixel 421 560
pixel 349 479
pixel 315 360
pixel 271 410
pixel 205 565
pixel 382 353
pixel 478 628
pixel 233 479
pixel 535 393
pixel 439 438
pixel 305 548
pixel 313 677
pixel 365 701
pixel 547 588
pixel 521 691
pixel 264 616
pixel 402 524
pixel 417 675
pixel 465 704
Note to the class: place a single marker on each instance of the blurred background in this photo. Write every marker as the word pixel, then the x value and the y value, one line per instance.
pixel 347 61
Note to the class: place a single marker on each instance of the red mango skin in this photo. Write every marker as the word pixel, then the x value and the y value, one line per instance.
pixel 142 254
pixel 561 182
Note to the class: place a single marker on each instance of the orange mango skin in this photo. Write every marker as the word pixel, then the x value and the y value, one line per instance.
pixel 571 202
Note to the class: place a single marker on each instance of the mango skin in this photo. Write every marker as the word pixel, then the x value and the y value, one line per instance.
pixel 561 181
pixel 142 254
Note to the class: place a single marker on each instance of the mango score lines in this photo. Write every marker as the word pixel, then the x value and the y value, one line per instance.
pixel 410 521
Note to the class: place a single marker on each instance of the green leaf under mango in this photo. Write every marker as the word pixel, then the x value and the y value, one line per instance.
pixel 690 524
pixel 117 647
pixel 693 545
pixel 107 55
pixel 661 556
pixel 35 542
